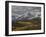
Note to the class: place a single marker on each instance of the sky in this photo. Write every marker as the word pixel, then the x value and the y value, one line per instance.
pixel 20 10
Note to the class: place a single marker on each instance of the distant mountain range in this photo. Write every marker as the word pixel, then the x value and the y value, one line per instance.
pixel 26 16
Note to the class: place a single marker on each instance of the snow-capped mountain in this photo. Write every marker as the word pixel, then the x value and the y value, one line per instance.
pixel 25 12
pixel 27 16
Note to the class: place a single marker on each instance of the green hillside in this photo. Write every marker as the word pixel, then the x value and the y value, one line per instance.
pixel 34 24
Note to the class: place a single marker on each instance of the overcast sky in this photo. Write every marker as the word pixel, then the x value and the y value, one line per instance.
pixel 23 9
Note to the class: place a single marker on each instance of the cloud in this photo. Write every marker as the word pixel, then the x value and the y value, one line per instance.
pixel 20 10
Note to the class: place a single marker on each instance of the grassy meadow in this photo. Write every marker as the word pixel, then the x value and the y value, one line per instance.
pixel 34 24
